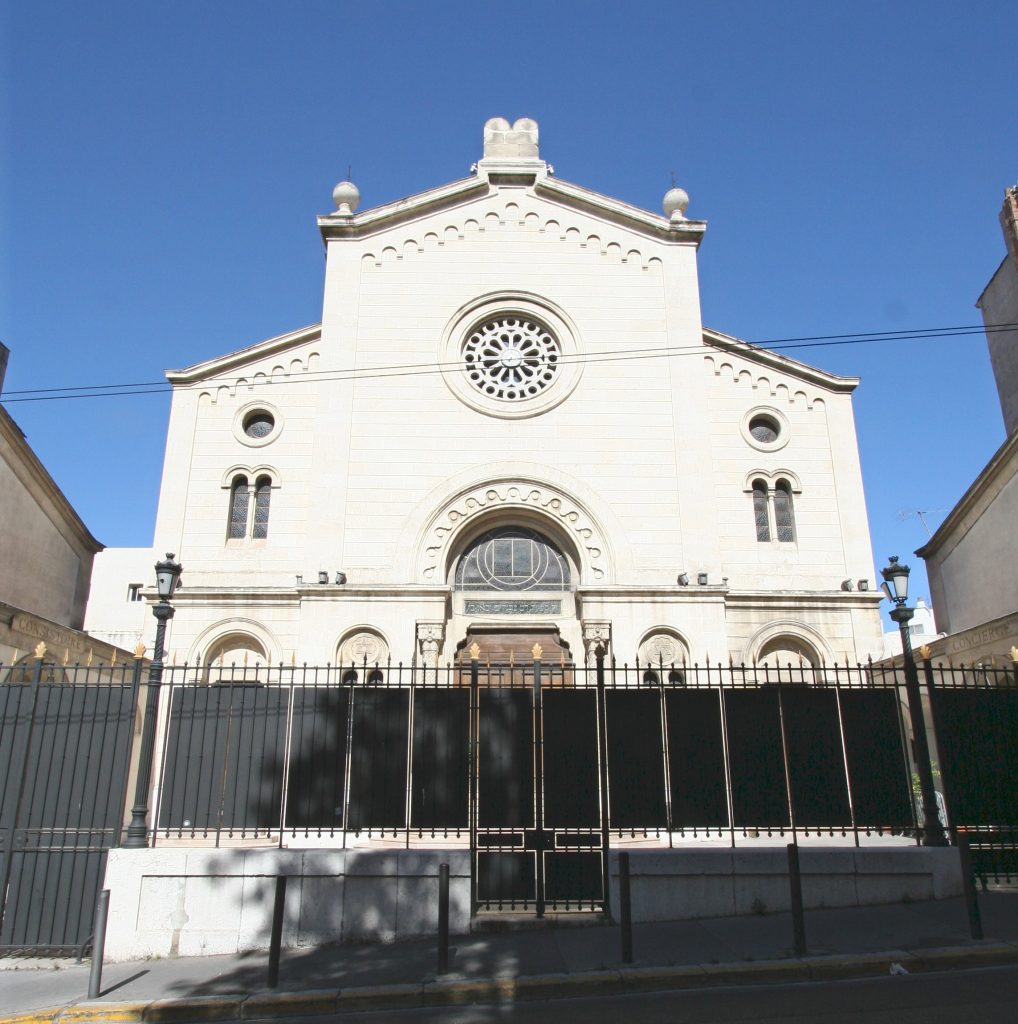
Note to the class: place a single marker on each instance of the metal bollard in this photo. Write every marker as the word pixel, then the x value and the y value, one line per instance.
pixel 625 909
pixel 443 919
pixel 969 882
pixel 795 891
pixel 276 938
pixel 95 973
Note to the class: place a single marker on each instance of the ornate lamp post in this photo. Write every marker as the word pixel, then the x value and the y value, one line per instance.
pixel 895 587
pixel 167 578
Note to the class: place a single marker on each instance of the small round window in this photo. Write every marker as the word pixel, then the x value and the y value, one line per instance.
pixel 259 424
pixel 764 429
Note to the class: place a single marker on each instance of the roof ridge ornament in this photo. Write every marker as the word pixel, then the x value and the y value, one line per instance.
pixel 511 148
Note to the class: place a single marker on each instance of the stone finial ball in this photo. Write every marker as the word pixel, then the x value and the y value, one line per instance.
pixel 346 196
pixel 676 201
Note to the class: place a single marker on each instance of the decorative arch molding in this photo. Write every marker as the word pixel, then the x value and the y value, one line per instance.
pixel 441 524
pixel 300 364
pixel 792 393
pixel 795 630
pixel 771 477
pixel 253 472
pixel 610 245
pixel 210 637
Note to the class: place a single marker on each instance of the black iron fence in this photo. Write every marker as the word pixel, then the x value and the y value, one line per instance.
pixel 539 767
pixel 65 742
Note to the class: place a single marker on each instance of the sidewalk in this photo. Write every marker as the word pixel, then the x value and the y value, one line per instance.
pixel 530 963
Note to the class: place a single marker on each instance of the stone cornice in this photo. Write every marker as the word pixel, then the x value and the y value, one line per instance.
pixel 828 381
pixel 25 465
pixel 241 357
pixel 973 503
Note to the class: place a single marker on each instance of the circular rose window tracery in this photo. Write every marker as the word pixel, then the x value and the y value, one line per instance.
pixel 511 357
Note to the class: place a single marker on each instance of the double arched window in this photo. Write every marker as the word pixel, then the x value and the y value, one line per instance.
pixel 773 514
pixel 249 508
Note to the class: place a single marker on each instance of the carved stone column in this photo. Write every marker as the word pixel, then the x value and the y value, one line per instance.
pixel 596 634
pixel 430 638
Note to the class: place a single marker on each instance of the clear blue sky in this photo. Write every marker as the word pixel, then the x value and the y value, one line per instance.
pixel 163 164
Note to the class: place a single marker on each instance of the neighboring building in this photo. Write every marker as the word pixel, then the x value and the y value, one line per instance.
pixel 970 559
pixel 999 306
pixel 46 555
pixel 511 425
pixel 117 610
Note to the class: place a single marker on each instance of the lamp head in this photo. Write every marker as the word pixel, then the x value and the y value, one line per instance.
pixel 167 576
pixel 895 584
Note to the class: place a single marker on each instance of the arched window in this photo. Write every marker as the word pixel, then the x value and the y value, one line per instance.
pixel 239 498
pixel 761 513
pixel 784 519
pixel 263 494
pixel 235 658
pixel 512 558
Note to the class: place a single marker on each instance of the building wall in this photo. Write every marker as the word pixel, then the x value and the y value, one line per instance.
pixel 999 305
pixel 45 550
pixel 970 559
pixel 642 471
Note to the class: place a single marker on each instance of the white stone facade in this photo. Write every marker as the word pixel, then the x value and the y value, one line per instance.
pixel 386 441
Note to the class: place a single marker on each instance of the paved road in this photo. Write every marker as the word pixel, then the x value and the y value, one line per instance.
pixel 958 997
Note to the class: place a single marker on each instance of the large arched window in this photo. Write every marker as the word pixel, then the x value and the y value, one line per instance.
pixel 263 494
pixel 760 512
pixel 784 520
pixel 239 498
pixel 512 558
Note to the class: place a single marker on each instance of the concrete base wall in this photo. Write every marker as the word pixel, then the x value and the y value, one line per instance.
pixel 188 902
pixel 192 902
pixel 675 885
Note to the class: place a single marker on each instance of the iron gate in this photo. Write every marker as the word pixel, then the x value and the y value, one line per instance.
pixel 65 737
pixel 538 836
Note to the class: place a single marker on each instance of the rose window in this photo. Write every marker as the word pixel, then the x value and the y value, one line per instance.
pixel 511 357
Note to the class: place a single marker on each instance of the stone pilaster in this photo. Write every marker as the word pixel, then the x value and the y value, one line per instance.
pixel 430 638
pixel 596 634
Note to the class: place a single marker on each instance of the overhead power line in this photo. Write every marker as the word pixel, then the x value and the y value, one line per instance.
pixel 423 369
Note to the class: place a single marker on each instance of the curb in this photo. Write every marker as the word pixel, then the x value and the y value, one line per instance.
pixel 530 988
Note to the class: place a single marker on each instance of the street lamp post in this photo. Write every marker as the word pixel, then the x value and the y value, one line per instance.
pixel 167 578
pixel 895 587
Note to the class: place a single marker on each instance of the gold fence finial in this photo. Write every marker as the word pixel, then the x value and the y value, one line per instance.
pixel 67 655
pixel 88 659
pixel 475 651
pixel 113 658
pixel 925 652
pixel 537 650
pixel 293 658
pixel 139 651
pixel 40 650
pixel 1014 654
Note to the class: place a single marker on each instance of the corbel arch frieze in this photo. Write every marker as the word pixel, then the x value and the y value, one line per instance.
pixel 501 499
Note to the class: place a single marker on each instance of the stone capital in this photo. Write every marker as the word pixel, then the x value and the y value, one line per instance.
pixel 596 633
pixel 430 638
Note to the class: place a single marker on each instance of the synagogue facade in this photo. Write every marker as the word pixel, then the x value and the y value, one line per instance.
pixel 512 426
